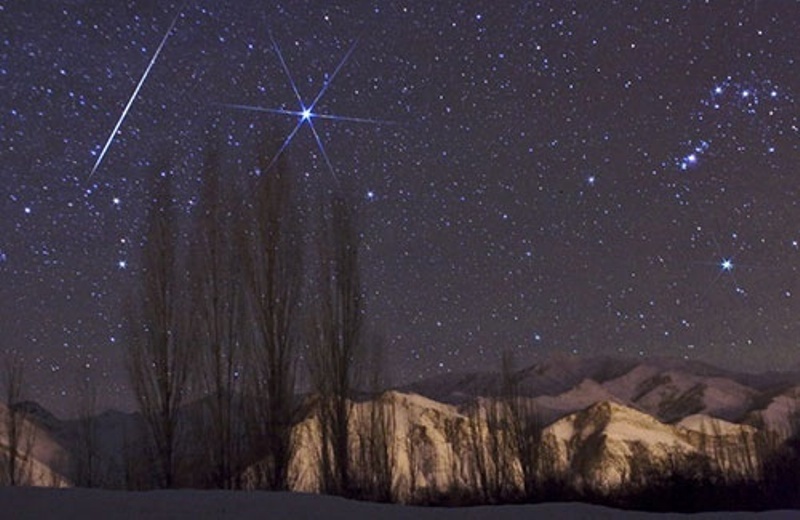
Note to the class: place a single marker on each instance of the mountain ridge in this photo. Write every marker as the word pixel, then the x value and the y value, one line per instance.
pixel 595 424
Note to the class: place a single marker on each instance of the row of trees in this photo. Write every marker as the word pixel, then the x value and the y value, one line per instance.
pixel 234 295
pixel 499 455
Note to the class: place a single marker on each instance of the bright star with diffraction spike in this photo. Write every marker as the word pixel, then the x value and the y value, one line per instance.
pixel 306 114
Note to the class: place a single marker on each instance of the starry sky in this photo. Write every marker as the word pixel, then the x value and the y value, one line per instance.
pixel 589 178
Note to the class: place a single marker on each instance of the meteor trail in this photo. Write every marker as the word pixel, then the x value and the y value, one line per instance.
pixel 136 91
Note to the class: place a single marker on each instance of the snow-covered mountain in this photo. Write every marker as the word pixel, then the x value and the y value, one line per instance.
pixel 671 394
pixel 600 447
pixel 557 375
pixel 667 389
pixel 596 448
pixel 601 424
pixel 425 437
pixel 39 459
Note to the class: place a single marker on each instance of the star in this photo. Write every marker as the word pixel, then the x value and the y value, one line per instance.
pixel 693 157
pixel 305 114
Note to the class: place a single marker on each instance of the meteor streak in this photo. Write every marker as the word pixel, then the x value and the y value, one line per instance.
pixel 136 91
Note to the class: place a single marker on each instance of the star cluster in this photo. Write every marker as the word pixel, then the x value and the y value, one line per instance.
pixel 576 177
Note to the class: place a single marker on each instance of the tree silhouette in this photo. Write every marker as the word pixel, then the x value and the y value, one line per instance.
pixel 158 354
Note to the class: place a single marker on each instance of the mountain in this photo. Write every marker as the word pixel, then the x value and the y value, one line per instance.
pixel 595 447
pixel 776 410
pixel 600 447
pixel 40 459
pixel 670 394
pixel 426 438
pixel 553 376
pixel 602 424
pixel 583 395
pixel 668 389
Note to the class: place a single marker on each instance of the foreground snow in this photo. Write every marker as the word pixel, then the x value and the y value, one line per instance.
pixel 42 503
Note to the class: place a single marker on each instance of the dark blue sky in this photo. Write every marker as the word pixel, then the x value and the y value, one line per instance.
pixel 536 176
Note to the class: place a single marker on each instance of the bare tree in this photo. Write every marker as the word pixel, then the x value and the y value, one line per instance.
pixel 778 455
pixel 375 461
pixel 489 449
pixel 525 433
pixel 476 453
pixel 412 452
pixel 338 342
pixel 504 433
pixel 217 287
pixel 273 257
pixel 15 458
pixel 87 461
pixel 158 355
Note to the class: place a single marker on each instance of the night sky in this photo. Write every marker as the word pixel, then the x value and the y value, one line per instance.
pixel 583 178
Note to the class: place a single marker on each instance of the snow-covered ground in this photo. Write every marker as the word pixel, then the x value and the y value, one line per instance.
pixel 42 504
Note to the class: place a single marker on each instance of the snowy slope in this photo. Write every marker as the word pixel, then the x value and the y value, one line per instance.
pixel 585 394
pixel 672 394
pixel 45 504
pixel 37 451
pixel 426 438
pixel 780 412
pixel 553 376
pixel 595 447
pixel 701 423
